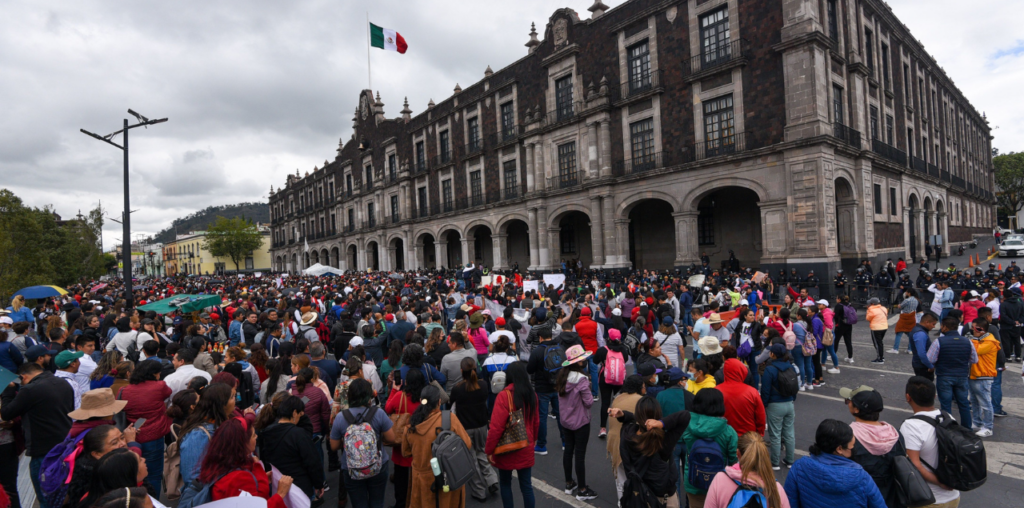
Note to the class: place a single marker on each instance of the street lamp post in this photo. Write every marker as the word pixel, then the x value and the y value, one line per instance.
pixel 126 253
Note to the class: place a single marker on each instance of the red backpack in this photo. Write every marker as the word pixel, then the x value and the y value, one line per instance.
pixel 324 332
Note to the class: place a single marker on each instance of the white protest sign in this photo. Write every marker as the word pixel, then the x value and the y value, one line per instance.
pixel 554 279
pixel 485 280
pixel 531 285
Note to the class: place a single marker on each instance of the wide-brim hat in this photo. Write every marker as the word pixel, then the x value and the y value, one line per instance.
pixel 575 354
pixel 476 320
pixel 308 318
pixel 714 318
pixel 709 345
pixel 98 402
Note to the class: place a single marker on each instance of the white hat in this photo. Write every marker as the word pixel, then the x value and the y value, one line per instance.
pixel 4 320
pixel 616 312
pixel 308 318
pixel 356 341
pixel 823 302
pixel 810 303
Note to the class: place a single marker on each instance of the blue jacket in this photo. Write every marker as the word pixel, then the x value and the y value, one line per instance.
pixel 686 301
pixel 235 332
pixel 769 392
pixel 827 481
pixel 10 357
pixel 25 314
pixel 919 343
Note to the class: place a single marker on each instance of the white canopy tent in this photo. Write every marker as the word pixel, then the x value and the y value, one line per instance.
pixel 319 269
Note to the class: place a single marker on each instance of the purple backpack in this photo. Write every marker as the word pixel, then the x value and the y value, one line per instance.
pixel 54 476
pixel 849 315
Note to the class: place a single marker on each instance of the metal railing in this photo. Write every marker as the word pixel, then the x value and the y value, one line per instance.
pixel 511 192
pixel 943 174
pixel 350 228
pixel 724 54
pixel 958 181
pixel 639 84
pixel 476 200
pixel 846 134
pixel 565 180
pixel 563 113
pixel 933 170
pixel 475 145
pixel 724 145
pixel 508 133
pixel 637 164
pixel 448 206
pixel 918 164
pixel 441 159
pixel 889 152
pixel 420 166
pixel 396 217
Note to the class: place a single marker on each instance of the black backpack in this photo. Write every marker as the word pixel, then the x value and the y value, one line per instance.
pixel 553 358
pixel 787 382
pixel 962 463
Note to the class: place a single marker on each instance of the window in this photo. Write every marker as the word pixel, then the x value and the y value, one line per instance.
pixel 874 122
pixel 508 121
pixel 446 195
pixel 330 190
pixel 885 66
pixel 837 104
pixel 892 201
pixel 421 156
pixel 878 199
pixel 446 150
pixel 422 200
pixel 321 225
pixel 371 216
pixel 641 139
pixel 714 36
pixel 348 184
pixel 706 226
pixel 368 181
pixel 563 97
pixel 567 239
pixel 473 130
pixel 833 21
pixel 719 131
pixel 393 166
pixel 910 142
pixel 869 51
pixel 639 67
pixel 511 179
pixel 476 187
pixel 334 224
pixel 889 132
pixel 567 174
pixel 907 99
pixel 395 217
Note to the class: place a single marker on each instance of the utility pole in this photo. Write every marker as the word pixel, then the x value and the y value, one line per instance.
pixel 126 249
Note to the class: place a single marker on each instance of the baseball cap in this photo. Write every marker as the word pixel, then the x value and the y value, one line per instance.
pixel 675 374
pixel 499 322
pixel 33 353
pixel 647 370
pixel 356 341
pixel 65 358
pixel 778 350
pixel 616 312
pixel 864 398
pixel 823 302
pixel 6 320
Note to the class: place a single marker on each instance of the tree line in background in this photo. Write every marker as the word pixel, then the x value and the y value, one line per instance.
pixel 36 249
pixel 1009 169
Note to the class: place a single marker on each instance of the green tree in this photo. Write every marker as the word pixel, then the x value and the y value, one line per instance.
pixel 1009 171
pixel 232 238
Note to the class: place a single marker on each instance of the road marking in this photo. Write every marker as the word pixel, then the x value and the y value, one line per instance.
pixel 1005 459
pixel 840 399
pixel 556 492
pixel 883 371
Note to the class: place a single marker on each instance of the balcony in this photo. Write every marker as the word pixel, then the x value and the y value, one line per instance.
pixel 445 157
pixel 368 185
pixel 349 228
pixel 510 192
pixel 420 166
pixel 640 84
pixel 476 199
pixel 448 206
pixel 958 181
pixel 291 241
pixel 396 217
pixel 565 180
pixel 846 134
pixel 724 145
pixel 474 146
pixel 638 164
pixel 732 53
pixel 508 133
pixel 918 165
pixel 889 152
pixel 390 177
pixel 933 171
pixel 563 113
pixel 370 223
pixel 970 188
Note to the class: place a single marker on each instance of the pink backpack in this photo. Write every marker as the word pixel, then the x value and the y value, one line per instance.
pixel 614 369
pixel 789 337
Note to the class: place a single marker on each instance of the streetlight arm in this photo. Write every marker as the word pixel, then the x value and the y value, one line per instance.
pixel 101 138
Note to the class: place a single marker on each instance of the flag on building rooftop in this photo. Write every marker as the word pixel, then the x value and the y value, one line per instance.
pixel 386 38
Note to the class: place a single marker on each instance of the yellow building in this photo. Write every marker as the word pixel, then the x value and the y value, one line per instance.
pixel 187 255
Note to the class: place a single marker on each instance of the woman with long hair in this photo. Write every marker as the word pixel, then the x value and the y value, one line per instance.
pixel 302 362
pixel 108 362
pixel 805 349
pixel 518 395
pixel 258 359
pixel 848 484
pixel 119 468
pixel 707 422
pixel 97 442
pixel 574 402
pixel 276 380
pixel 230 466
pixel 146 395
pixel 470 399
pixel 754 469
pixel 633 390
pixel 404 400
pixel 182 405
pixel 363 491
pixel 500 358
pixel 318 405
pixel 748 341
pixel 214 407
pixel 778 408
pixel 288 447
pixel 436 345
pixel 672 343
pixel 612 359
pixel 646 443
pixel 844 329
pixel 416 443
pixel 127 497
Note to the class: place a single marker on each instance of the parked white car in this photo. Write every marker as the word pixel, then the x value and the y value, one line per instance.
pixel 1011 248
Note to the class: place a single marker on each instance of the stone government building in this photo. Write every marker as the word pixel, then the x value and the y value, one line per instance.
pixel 804 134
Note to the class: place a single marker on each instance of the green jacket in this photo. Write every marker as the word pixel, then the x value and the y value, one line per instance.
pixel 713 428
pixel 674 400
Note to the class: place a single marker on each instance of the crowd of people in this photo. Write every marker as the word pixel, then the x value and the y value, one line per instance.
pixel 441 388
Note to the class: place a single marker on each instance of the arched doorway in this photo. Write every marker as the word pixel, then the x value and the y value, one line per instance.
pixel 425 251
pixel 928 219
pixel 572 239
pixel 325 258
pixel 294 265
pixel 396 249
pixel 915 207
pixel 652 235
pixel 453 241
pixel 351 256
pixel 372 256
pixel 517 243
pixel 729 218
pixel 335 258
pixel 278 264
pixel 846 213
pixel 314 257
pixel 306 263
pixel 481 246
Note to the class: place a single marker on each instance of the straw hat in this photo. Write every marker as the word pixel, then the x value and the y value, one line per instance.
pixel 714 318
pixel 709 345
pixel 308 318
pixel 98 402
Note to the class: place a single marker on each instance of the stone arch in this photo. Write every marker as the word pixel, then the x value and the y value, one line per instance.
pixel 325 257
pixel 651 232
pixel 474 224
pixel 314 257
pixel 570 235
pixel 694 197
pixel 373 254
pixel 479 233
pixel 352 256
pixel 426 251
pixel 278 264
pixel 336 257
pixel 557 214
pixel 627 204
pixel 729 219
pixel 501 227
pixel 396 252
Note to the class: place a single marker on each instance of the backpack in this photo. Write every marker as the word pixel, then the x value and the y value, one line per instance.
pixel 787 383
pixel 173 482
pixel 198 493
pixel 632 342
pixel 614 368
pixel 54 474
pixel 747 496
pixel 962 463
pixel 553 358
pixel 636 493
pixel 458 465
pixel 849 315
pixel 498 378
pixel 362 446
pixel 789 337
pixel 133 350
pixel 705 461
pixel 324 332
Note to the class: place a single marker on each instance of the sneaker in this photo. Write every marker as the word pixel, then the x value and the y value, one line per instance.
pixel 983 433
pixel 810 387
pixel 815 383
pixel 570 488
pixel 540 450
pixel 878 360
pixel 776 468
pixel 821 383
pixel 894 351
pixel 1000 413
pixel 850 360
pixel 803 388
pixel 553 417
pixel 563 446
pixel 603 433
pixel 833 370
pixel 585 494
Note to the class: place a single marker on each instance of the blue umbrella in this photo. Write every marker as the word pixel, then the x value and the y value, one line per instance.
pixel 35 292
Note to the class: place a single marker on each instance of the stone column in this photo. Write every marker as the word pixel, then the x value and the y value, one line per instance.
pixel 592 166
pixel 466 257
pixel 919 220
pixel 530 186
pixel 611 257
pixel 441 253
pixel 596 230
pixel 622 240
pixel 361 258
pixel 942 228
pixel 542 234
pixel 498 254
pixel 539 165
pixel 534 238
pixel 606 148
pixel 686 238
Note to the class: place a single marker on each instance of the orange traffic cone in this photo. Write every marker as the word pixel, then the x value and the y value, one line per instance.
pixel 1000 267
pixel 970 262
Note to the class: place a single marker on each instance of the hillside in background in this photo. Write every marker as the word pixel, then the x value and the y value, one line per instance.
pixel 198 221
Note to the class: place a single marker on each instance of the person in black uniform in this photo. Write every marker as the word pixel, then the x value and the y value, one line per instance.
pixel 866 265
pixel 1013 269
pixel 812 280
pixel 794 279
pixel 991 272
pixel 882 280
pixel 839 282
pixel 924 279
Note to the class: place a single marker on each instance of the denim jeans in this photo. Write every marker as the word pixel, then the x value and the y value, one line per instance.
pixel 896 344
pixel 543 400
pixel 948 388
pixel 981 401
pixel 153 452
pixel 593 376
pixel 830 350
pixel 686 317
pixel 805 364
pixel 754 372
pixel 525 487
pixel 997 393
pixel 780 432
pixel 33 467
pixel 368 492
pixel 677 467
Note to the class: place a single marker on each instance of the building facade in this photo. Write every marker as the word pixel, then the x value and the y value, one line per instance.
pixel 187 255
pixel 804 134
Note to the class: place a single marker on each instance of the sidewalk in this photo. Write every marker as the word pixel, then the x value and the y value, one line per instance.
pixel 961 261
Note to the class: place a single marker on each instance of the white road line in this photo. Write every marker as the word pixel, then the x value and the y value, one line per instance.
pixel 840 399
pixel 883 371
pixel 556 492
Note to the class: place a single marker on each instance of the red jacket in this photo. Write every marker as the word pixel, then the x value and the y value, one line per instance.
pixel 233 483
pixel 587 330
pixel 743 407
pixel 318 407
pixel 522 457
pixel 146 400
pixel 395 406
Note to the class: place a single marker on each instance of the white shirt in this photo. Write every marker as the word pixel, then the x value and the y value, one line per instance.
pixel 670 345
pixel 920 436
pixel 74 385
pixel 179 380
pixel 492 338
pixel 994 305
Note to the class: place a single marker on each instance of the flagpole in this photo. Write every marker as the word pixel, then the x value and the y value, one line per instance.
pixel 369 75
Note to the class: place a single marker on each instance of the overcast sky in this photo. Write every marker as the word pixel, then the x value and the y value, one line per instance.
pixel 257 89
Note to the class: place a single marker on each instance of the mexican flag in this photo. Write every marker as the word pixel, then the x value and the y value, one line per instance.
pixel 386 38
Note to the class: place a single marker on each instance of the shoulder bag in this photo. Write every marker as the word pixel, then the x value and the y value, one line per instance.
pixel 515 436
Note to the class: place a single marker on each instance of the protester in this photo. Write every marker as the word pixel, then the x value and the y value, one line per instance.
pixel 878 319
pixel 214 407
pixel 709 428
pixel 368 488
pixel 847 483
pixel 953 355
pixel 229 465
pixel 146 395
pixel 574 401
pixel 518 395
pixel 291 449
pixel 416 443
pixel 646 444
pixel 744 409
pixel 921 441
pixel 470 398
pixel 404 400
pixel 779 408
pixel 752 468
